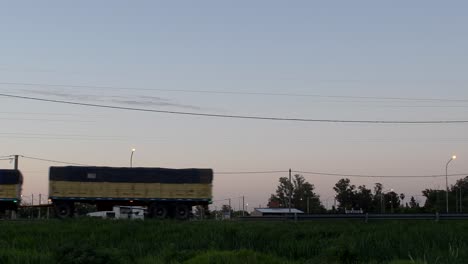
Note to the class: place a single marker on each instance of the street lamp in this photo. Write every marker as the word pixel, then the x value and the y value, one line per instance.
pixel 382 200
pixel 446 182
pixel 131 157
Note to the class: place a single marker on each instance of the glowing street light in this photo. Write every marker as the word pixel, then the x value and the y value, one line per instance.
pixel 446 183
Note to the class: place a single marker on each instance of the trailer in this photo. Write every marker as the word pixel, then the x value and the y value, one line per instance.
pixel 11 182
pixel 164 192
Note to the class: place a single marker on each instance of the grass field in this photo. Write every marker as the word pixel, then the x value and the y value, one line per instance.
pixel 101 241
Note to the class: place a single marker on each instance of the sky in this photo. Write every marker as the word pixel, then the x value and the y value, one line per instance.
pixel 346 60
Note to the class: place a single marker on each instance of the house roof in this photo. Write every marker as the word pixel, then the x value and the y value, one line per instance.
pixel 278 210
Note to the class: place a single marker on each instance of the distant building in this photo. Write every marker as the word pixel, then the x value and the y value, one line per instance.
pixel 275 211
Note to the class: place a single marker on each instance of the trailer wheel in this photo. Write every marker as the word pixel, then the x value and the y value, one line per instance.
pixel 181 211
pixel 64 210
pixel 159 211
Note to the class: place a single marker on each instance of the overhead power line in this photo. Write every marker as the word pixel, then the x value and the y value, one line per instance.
pixel 271 171
pixel 237 92
pixel 379 176
pixel 340 175
pixel 250 172
pixel 54 161
pixel 235 116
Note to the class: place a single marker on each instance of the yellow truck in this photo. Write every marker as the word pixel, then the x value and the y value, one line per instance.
pixel 165 192
pixel 11 182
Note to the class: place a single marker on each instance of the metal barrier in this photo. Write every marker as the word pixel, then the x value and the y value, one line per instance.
pixel 365 217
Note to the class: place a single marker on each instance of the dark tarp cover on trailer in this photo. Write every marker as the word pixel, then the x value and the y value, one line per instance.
pixel 10 177
pixel 134 175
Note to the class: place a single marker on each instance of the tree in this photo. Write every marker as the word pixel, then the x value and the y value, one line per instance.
pixel 391 201
pixel 436 199
pixel 363 199
pixel 345 194
pixel 283 191
pixel 462 188
pixel 413 204
pixel 302 195
pixel 350 197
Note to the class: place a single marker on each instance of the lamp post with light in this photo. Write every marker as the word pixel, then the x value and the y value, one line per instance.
pixel 131 157
pixel 382 200
pixel 446 183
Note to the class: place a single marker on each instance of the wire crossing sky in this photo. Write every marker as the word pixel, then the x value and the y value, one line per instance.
pixel 239 116
pixel 36 85
pixel 332 88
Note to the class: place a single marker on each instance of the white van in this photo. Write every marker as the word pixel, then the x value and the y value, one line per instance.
pixel 121 212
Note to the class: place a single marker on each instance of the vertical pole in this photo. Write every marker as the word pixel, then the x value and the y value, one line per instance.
pixel 381 203
pixel 32 199
pixel 446 187
pixel 131 158
pixel 243 205
pixel 308 210
pixel 39 208
pixel 230 208
pixel 290 191
pixel 16 162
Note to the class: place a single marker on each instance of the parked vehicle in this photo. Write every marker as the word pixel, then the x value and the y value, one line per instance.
pixel 121 212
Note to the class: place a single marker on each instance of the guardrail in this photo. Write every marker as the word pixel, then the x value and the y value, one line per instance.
pixel 365 217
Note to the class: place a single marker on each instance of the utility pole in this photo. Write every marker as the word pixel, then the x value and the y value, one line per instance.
pixel 230 208
pixel 290 191
pixel 16 162
pixel 446 184
pixel 243 205
pixel 308 211
pixel 39 208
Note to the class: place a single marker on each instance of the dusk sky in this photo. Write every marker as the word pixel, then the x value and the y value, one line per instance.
pixel 346 60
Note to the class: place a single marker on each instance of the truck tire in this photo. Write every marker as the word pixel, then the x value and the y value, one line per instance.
pixel 182 211
pixel 159 211
pixel 64 210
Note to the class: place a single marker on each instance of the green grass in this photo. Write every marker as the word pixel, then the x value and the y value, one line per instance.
pixel 101 241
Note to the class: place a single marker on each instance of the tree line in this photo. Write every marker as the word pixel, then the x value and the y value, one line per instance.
pixel 370 200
